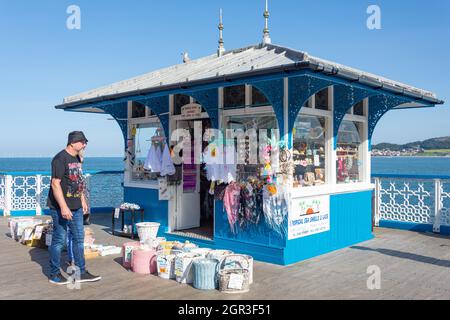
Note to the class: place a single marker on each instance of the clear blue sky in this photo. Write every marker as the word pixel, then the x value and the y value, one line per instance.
pixel 41 61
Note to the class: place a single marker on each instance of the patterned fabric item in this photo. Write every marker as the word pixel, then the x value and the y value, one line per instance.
pixel 232 204
pixel 258 200
pixel 248 204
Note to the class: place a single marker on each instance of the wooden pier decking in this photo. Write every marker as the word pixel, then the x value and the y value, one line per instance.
pixel 413 266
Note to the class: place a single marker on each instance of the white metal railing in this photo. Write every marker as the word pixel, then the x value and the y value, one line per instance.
pixel 413 199
pixel 2 192
pixel 29 191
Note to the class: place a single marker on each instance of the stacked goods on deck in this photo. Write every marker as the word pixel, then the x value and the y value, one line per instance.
pixel 186 263
pixel 29 231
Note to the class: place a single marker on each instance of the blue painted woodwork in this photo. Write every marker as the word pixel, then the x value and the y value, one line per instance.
pixel 159 106
pixel 300 90
pixel 209 100
pixel 418 227
pixel 345 97
pixel 379 105
pixel 350 223
pixel 251 234
pixel 119 111
pixel 154 209
pixel 274 92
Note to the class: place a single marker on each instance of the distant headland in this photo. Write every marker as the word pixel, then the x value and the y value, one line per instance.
pixel 435 147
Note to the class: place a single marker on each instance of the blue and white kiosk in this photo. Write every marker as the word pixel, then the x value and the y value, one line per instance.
pixel 327 113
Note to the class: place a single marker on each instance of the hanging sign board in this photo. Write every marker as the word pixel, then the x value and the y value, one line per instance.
pixel 309 216
pixel 191 111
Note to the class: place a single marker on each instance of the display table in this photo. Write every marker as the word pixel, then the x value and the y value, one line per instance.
pixel 122 213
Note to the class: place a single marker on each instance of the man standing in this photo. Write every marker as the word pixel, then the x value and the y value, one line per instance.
pixel 68 205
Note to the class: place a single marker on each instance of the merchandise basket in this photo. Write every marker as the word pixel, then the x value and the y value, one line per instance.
pixel 237 278
pixel 147 231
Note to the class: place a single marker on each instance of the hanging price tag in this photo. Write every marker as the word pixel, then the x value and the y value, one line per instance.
pixel 236 281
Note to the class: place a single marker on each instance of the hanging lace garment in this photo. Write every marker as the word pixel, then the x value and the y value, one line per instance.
pixel 153 160
pixel 167 167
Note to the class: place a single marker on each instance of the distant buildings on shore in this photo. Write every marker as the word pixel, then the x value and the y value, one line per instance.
pixel 410 153
pixel 397 153
pixel 435 147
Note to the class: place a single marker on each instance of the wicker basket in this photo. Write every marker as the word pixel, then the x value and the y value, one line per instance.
pixel 236 280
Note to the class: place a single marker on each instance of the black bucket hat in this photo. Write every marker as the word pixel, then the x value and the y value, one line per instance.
pixel 76 136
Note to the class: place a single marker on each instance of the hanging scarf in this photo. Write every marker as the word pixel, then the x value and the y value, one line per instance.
pixel 232 204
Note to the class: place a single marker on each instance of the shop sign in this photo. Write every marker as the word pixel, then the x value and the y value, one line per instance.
pixel 191 111
pixel 309 216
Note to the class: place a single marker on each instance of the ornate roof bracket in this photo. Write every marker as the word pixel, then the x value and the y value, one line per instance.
pixel 300 90
pixel 160 106
pixel 345 97
pixel 119 111
pixel 379 105
pixel 209 100
pixel 274 92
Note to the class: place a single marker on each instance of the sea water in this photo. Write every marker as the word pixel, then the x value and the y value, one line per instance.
pixel 107 190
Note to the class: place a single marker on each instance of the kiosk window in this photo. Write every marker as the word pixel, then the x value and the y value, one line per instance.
pixel 137 110
pixel 145 137
pixel 349 152
pixel 309 150
pixel 234 97
pixel 258 98
pixel 256 169
pixel 358 109
pixel 180 100
pixel 322 100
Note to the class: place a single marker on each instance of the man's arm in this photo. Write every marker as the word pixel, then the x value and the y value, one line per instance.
pixel 84 204
pixel 59 196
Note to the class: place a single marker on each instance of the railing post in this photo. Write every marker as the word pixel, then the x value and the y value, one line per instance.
pixel 38 194
pixel 377 202
pixel 437 206
pixel 8 195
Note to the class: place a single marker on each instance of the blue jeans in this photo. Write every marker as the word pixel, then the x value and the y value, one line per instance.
pixel 59 237
pixel 70 257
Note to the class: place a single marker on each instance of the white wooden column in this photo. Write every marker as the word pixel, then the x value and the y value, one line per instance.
pixel 437 206
pixel 377 201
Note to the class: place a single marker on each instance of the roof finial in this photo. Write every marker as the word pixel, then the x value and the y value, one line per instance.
pixel 221 48
pixel 266 38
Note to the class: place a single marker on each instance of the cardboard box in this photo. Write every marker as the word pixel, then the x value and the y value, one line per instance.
pixel 18 225
pixel 90 254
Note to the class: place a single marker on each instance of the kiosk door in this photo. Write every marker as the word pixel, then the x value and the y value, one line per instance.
pixel 188 193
